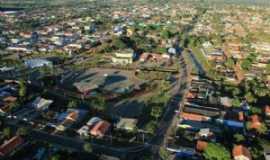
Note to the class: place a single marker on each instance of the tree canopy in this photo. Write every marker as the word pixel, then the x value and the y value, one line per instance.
pixel 216 151
pixel 87 147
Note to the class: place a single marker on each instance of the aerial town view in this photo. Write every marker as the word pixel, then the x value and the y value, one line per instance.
pixel 134 79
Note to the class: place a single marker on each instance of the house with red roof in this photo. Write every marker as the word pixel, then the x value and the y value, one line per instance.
pixel 10 145
pixel 240 152
pixel 100 129
pixel 255 122
pixel 194 117
pixel 201 145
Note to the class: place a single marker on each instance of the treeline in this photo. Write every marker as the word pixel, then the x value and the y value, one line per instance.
pixel 41 3
pixel 239 2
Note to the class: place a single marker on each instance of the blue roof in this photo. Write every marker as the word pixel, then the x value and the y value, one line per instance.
pixel 231 123
pixel 33 63
pixel 185 153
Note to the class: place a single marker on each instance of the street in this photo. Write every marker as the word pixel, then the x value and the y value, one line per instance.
pixel 169 118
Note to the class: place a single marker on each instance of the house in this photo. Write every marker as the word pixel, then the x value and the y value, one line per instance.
pixel 123 57
pixel 93 121
pixel 267 114
pixel 100 129
pixel 207 44
pixel 197 125
pixel 6 103
pixel 144 57
pixel 193 117
pixel 241 116
pixel 106 157
pixel 205 134
pixel 266 152
pixel 70 117
pixel 201 145
pixel 10 145
pixel 10 99
pixel 172 51
pixel 254 122
pixel 234 115
pixel 83 131
pixel 18 49
pixel 127 124
pixel 244 105
pixel 119 30
pixel 26 34
pixel 234 125
pixel 240 152
pixel 41 104
pixel 267 110
pixel 36 63
pixel 213 54
pixel 226 101
pixel 202 110
pixel 6 69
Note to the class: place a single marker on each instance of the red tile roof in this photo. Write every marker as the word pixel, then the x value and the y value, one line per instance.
pixel 10 145
pixel 72 116
pixel 240 150
pixel 255 122
pixel 191 95
pixel 241 116
pixel 10 99
pixel 201 145
pixel 100 128
pixel 193 117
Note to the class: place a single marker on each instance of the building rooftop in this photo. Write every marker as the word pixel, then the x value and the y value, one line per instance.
pixel 240 150
pixel 127 123
pixel 10 145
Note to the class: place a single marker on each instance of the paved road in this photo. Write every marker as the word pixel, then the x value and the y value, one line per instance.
pixel 169 119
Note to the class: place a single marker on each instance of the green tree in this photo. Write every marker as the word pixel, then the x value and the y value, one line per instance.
pixel 99 103
pixel 7 132
pixel 261 91
pixel 250 97
pixel 156 112
pixel 257 150
pixel 215 151
pixel 165 34
pixel 87 147
pixel 268 68
pixel 236 91
pixel 118 43
pixel 238 138
pixel 56 157
pixel 262 129
pixel 22 88
pixel 151 127
pixel 246 64
pixel 22 131
pixel 72 104
pixel 236 102
pixel 14 105
pixel 163 153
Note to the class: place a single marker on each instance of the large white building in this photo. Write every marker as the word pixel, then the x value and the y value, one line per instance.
pixel 123 57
